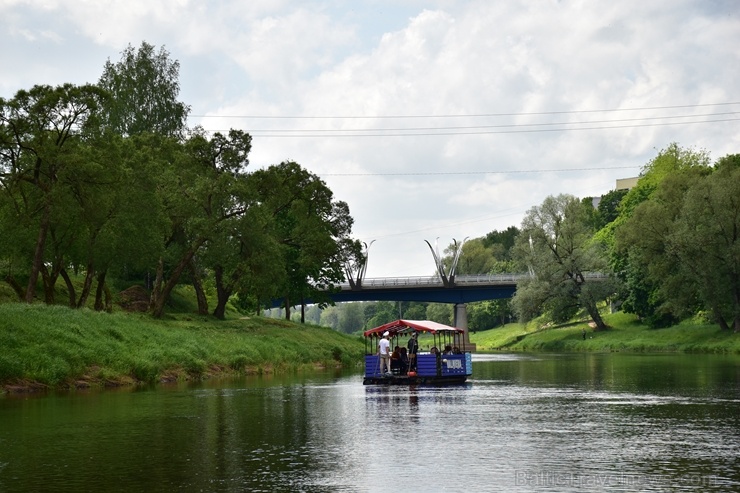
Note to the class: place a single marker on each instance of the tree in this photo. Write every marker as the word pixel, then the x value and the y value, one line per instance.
pixel 415 311
pixel 384 312
pixel 707 239
pixel 440 312
pixel 488 314
pixel 555 244
pixel 236 242
pixel 502 242
pixel 311 228
pixel 608 208
pixel 118 224
pixel 43 134
pixel 476 258
pixel 685 238
pixel 643 293
pixel 330 317
pixel 731 160
pixel 144 86
pixel 200 189
pixel 313 315
pixel 351 317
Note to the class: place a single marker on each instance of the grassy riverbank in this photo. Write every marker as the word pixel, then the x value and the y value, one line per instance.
pixel 51 347
pixel 56 347
pixel 625 334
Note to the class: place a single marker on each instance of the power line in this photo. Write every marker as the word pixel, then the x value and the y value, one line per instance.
pixel 374 133
pixel 502 172
pixel 482 115
pixel 510 125
pixel 500 214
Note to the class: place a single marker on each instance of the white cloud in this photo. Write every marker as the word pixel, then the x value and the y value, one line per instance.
pixel 427 59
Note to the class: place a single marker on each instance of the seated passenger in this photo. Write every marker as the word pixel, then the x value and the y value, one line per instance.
pixel 396 360
pixel 404 361
pixel 448 349
pixel 456 350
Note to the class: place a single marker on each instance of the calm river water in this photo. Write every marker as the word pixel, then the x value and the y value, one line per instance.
pixel 545 422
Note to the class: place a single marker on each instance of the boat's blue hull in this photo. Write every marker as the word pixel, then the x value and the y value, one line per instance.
pixel 414 380
pixel 431 369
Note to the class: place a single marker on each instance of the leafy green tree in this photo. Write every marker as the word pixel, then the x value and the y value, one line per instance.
pixel 368 311
pixel 311 228
pixel 237 243
pixel 330 317
pixel 608 208
pixel 482 315
pixel 415 311
pixel 144 86
pixel 707 239
pixel 475 257
pixel 645 235
pixel 555 244
pixel 198 197
pixel 731 160
pixel 685 239
pixel 642 293
pixel 351 318
pixel 44 132
pixel 247 261
pixel 489 314
pixel 440 313
pixel 119 224
pixel 385 312
pixel 502 242
pixel 313 315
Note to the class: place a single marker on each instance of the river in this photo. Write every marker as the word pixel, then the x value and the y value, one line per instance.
pixel 524 422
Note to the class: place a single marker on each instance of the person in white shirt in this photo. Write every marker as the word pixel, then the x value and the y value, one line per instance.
pixel 384 352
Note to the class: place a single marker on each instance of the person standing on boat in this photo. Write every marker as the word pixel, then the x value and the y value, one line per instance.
pixel 413 347
pixel 384 352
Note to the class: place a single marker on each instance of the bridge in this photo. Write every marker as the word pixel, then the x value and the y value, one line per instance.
pixel 431 289
pixel 444 287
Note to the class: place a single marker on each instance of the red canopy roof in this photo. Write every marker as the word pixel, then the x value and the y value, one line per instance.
pixel 407 326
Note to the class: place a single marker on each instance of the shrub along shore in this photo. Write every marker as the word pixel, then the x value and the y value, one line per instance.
pixel 53 347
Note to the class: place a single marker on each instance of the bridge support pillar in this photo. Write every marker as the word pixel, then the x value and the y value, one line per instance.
pixel 461 322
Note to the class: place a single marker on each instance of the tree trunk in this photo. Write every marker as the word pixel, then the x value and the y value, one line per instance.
pixel 200 295
pixel 723 325
pixel 287 309
pixel 38 255
pixel 158 309
pixel 86 286
pixel 70 288
pixel 16 287
pixel 593 311
pixel 303 311
pixel 223 293
pixel 47 284
pixel 736 297
pixel 108 298
pixel 157 286
pixel 99 291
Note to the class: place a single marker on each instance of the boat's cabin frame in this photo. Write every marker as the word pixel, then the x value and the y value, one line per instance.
pixel 440 359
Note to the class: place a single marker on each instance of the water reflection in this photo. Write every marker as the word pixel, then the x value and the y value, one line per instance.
pixel 523 423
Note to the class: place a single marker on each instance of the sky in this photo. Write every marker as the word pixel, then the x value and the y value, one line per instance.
pixel 434 120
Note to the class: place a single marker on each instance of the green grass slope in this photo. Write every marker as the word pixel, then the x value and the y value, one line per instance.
pixel 625 334
pixel 57 347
